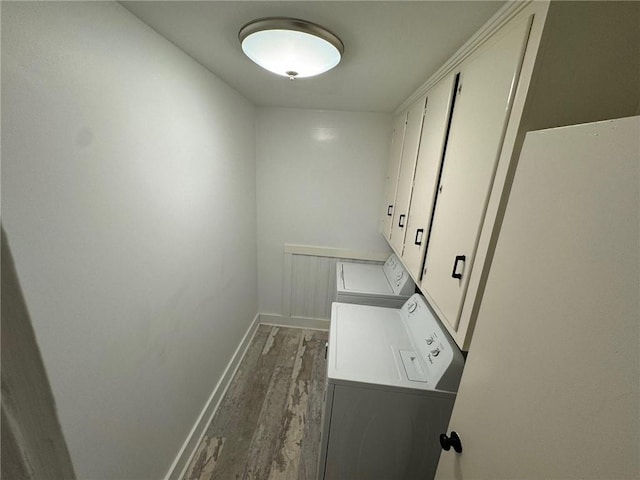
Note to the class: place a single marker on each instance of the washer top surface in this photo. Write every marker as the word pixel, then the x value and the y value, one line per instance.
pixel 362 338
pixel 364 278
pixel 398 347
pixel 382 280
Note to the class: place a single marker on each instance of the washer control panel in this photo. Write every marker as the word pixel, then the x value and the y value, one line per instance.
pixel 441 360
pixel 397 276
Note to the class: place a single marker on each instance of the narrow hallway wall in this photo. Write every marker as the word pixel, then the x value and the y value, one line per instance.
pixel 128 196
pixel 320 179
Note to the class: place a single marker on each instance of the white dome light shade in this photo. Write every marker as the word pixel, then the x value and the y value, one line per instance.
pixel 290 47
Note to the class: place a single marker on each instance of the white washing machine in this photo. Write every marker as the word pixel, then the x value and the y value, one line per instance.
pixel 392 377
pixel 386 285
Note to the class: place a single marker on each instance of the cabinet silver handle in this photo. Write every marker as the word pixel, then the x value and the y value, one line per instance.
pixel 401 220
pixel 389 210
pixel 418 240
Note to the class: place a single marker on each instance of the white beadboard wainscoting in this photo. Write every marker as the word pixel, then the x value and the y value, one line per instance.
pixel 309 283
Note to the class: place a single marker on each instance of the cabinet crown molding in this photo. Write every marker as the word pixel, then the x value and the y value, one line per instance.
pixel 495 23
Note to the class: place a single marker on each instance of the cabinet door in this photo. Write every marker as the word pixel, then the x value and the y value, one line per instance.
pixel 410 146
pixel 397 137
pixel 432 141
pixel 556 394
pixel 487 85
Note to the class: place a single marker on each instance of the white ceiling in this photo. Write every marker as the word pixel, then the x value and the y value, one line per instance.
pixel 391 47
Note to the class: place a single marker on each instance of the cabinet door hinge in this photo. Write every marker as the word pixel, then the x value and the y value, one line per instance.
pixel 459 88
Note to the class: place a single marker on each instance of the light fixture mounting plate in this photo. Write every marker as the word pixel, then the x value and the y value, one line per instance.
pixel 294 24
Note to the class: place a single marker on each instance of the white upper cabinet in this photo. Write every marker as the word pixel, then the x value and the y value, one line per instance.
pixel 482 106
pixel 393 168
pixel 518 73
pixel 411 143
pixel 427 172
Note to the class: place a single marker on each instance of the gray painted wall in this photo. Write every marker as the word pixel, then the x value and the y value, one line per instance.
pixel 128 191
pixel 320 179
pixel 33 446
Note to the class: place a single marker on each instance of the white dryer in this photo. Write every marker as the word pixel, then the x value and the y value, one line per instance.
pixel 392 377
pixel 386 285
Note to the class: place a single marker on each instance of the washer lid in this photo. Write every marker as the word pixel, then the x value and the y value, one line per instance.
pixel 361 343
pixel 398 347
pixel 364 277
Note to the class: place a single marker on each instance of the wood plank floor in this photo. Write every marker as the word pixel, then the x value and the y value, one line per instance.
pixel 268 424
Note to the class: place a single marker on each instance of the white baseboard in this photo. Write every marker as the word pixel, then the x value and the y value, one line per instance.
pixel 297 322
pixel 182 460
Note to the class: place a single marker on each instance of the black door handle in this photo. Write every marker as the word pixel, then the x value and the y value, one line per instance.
pixel 418 240
pixel 455 273
pixel 401 220
pixel 451 441
pixel 389 210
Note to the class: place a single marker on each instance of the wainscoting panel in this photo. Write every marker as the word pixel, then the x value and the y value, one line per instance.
pixel 310 278
pixel 312 286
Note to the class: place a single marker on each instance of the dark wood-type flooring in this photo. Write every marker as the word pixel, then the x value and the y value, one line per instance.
pixel 268 424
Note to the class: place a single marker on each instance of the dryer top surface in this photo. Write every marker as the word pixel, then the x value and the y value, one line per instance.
pixel 364 277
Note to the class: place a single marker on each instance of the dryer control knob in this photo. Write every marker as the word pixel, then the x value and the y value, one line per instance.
pixel 412 306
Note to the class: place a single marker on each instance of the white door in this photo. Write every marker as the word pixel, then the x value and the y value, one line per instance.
pixel 551 384
pixel 434 132
pixel 478 123
pixel 410 147
pixel 393 169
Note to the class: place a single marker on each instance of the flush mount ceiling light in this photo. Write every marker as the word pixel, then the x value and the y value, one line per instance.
pixel 290 47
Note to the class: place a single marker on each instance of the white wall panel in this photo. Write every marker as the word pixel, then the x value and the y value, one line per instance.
pixel 312 285
pixel 320 180
pixel 128 197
